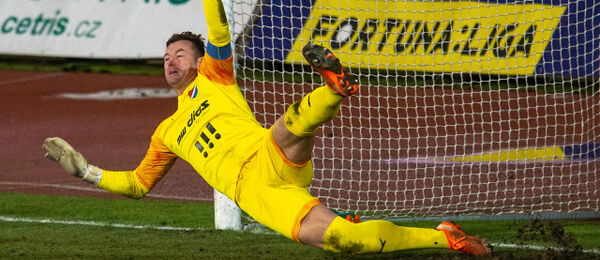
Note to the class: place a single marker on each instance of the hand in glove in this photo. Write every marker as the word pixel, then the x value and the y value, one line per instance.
pixel 73 162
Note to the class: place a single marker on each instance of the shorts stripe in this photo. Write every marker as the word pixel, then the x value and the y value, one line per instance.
pixel 285 160
pixel 301 214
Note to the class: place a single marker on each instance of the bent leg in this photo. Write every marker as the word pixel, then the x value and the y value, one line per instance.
pixel 294 131
pixel 296 149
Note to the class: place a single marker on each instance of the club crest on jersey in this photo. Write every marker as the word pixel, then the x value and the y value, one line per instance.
pixel 193 92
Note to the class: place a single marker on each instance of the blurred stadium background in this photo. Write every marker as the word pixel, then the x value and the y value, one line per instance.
pixel 470 109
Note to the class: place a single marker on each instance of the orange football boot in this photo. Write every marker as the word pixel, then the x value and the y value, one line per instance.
pixel 334 74
pixel 460 241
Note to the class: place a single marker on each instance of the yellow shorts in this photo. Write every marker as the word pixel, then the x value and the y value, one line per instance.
pixel 273 191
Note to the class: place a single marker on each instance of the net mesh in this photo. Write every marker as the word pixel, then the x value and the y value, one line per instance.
pixel 465 107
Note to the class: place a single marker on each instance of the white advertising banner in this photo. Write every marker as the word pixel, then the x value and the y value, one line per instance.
pixel 96 28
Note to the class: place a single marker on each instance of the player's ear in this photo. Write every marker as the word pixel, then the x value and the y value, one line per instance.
pixel 198 60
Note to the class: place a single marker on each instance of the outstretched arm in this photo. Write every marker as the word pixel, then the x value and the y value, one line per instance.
pixel 219 37
pixel 134 184
pixel 217 64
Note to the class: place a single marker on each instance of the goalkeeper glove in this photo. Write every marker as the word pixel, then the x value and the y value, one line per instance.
pixel 73 162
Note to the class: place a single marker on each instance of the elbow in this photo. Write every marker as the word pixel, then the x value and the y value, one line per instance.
pixel 137 196
pixel 139 189
pixel 139 193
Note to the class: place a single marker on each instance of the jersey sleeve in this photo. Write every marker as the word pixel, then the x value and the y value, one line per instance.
pixel 157 162
pixel 216 20
pixel 135 184
pixel 218 71
pixel 219 36
pixel 217 64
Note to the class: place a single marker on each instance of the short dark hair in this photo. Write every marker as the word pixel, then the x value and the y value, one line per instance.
pixel 196 39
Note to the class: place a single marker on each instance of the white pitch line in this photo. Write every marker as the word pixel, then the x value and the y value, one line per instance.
pixel 248 228
pixel 95 223
pixel 255 230
pixel 25 79
pixel 73 187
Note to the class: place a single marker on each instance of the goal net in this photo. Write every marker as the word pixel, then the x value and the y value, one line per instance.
pixel 465 107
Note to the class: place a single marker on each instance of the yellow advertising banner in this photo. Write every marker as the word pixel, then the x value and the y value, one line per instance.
pixel 448 36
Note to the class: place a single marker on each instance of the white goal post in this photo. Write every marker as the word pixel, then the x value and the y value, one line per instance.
pixel 466 108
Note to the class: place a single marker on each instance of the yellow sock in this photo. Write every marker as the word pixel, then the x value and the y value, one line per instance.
pixel 304 117
pixel 378 236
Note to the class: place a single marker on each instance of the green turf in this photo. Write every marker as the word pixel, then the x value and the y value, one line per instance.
pixel 52 64
pixel 93 228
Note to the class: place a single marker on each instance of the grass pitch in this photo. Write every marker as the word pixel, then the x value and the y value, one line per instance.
pixel 60 227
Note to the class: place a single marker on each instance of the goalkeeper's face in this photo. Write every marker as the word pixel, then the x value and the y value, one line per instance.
pixel 181 63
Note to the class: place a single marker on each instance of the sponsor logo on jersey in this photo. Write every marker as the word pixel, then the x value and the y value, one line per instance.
pixel 195 114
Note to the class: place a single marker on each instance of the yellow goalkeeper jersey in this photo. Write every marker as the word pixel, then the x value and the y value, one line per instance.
pixel 213 129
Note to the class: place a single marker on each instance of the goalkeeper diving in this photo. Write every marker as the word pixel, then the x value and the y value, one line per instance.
pixel 266 172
